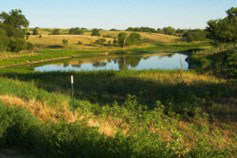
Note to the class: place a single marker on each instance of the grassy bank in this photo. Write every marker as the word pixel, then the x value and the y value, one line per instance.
pixel 119 114
pixel 45 55
pixel 220 63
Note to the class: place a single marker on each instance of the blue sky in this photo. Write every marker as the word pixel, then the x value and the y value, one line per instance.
pixel 119 14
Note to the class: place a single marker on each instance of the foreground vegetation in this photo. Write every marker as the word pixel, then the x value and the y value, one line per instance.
pixel 170 114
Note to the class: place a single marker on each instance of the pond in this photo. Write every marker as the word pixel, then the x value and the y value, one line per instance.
pixel 158 61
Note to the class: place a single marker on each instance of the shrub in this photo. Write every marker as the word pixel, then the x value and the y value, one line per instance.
pixel 4 40
pixel 231 64
pixel 142 29
pixel 35 31
pixel 108 36
pixel 17 44
pixel 79 42
pixel 65 42
pixel 29 46
pixel 95 32
pixel 100 41
pixel 122 39
pixel 109 43
pixel 76 31
pixel 133 39
pixel 55 32
pixel 169 30
pixel 194 35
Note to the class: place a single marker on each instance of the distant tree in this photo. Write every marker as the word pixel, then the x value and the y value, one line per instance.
pixel 14 24
pixel 115 42
pixel 35 31
pixel 122 36
pixel 181 32
pixel 84 29
pixel 169 30
pixel 142 29
pixel 100 41
pixel 95 32
pixel 55 32
pixel 159 30
pixel 195 35
pixel 76 31
pixel 109 43
pixel 133 39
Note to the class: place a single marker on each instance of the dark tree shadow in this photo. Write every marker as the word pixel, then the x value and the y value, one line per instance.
pixel 108 87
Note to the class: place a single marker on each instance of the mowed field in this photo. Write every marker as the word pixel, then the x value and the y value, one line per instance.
pixel 86 40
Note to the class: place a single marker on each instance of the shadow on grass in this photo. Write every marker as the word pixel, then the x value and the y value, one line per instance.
pixel 55 46
pixel 107 87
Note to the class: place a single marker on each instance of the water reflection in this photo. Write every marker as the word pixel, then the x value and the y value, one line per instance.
pixel 120 62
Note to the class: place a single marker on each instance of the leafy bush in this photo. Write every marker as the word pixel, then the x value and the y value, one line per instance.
pixel 231 63
pixel 76 31
pixel 35 31
pixel 141 29
pixel 95 32
pixel 4 40
pixel 65 42
pixel 133 39
pixel 194 35
pixel 55 32
pixel 169 30
pixel 122 39
pixel 29 46
pixel 17 44
pixel 100 41
pixel 108 36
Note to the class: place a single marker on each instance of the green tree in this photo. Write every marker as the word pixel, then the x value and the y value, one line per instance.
pixel 100 41
pixel 169 30
pixel 95 32
pixel 223 30
pixel 35 31
pixel 56 32
pixel 194 35
pixel 122 36
pixel 76 31
pixel 4 40
pixel 14 24
pixel 133 39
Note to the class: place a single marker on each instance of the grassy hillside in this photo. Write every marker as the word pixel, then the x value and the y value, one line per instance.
pixel 46 40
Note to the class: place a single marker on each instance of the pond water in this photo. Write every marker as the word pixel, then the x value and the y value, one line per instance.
pixel 120 62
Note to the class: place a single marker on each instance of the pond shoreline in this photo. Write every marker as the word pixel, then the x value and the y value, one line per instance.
pixel 62 54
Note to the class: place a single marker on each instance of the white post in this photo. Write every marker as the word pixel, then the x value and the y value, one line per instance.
pixel 72 82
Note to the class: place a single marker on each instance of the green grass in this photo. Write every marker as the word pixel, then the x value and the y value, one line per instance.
pixel 8 59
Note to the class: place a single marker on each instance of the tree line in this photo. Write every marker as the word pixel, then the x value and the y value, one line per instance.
pixel 13 31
